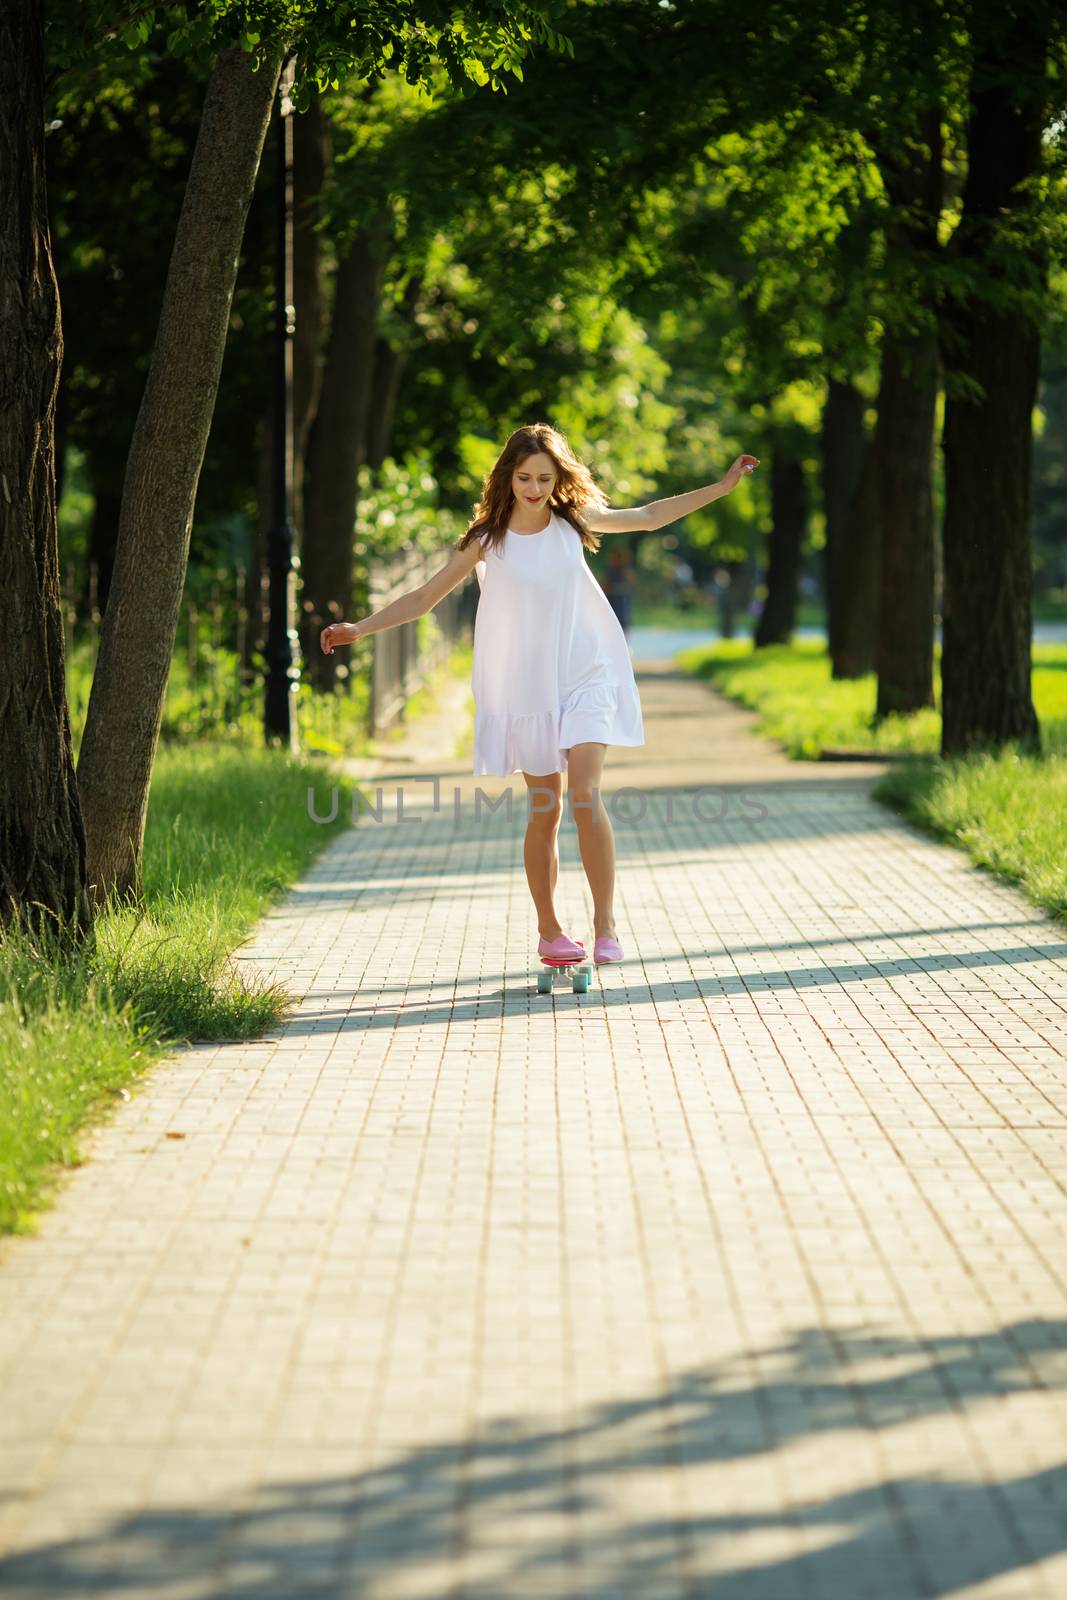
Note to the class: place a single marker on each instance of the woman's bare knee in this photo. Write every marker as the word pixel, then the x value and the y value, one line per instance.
pixel 546 821
pixel 585 805
pixel 545 800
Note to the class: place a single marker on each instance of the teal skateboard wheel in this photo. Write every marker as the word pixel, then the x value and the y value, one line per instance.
pixel 579 971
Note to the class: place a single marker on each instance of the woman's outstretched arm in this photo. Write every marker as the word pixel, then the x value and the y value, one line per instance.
pixel 406 607
pixel 658 513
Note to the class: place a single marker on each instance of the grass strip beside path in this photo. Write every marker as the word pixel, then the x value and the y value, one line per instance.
pixel 801 706
pixel 1009 812
pixel 227 831
pixel 1006 809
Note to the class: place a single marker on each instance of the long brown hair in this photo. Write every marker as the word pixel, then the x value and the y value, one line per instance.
pixel 575 492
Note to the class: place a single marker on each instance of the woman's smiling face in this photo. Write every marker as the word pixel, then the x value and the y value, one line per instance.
pixel 533 481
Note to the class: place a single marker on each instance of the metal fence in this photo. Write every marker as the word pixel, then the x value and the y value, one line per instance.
pixel 399 667
pixel 214 631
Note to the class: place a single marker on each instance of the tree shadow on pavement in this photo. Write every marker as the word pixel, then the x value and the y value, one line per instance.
pixel 557 1510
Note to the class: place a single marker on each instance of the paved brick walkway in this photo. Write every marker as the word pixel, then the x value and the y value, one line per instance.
pixel 742 1276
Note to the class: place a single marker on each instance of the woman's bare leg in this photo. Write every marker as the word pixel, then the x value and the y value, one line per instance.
pixel 541 848
pixel 596 840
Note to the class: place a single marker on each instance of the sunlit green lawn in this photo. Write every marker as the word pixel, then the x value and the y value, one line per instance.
pixel 800 704
pixel 1009 811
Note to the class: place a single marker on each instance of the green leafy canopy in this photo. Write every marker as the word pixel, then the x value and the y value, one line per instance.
pixel 480 41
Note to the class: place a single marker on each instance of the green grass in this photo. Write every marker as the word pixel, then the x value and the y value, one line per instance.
pixel 801 706
pixel 1008 810
pixel 227 831
pixel 809 712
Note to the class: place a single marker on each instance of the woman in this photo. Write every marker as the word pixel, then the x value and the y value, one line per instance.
pixel 553 681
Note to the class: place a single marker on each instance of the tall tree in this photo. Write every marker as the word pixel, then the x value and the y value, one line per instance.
pixel 856 636
pixel 138 115
pixel 911 168
pixel 390 359
pixel 166 454
pixel 841 462
pixel 990 342
pixel 337 446
pixel 311 160
pixel 789 516
pixel 42 841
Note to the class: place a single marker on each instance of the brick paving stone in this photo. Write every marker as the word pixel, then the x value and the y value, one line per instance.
pixel 742 1275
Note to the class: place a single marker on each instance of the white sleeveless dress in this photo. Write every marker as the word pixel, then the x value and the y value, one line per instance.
pixel 551 664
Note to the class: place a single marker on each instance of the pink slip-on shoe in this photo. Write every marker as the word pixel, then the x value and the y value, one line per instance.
pixel 606 949
pixel 559 948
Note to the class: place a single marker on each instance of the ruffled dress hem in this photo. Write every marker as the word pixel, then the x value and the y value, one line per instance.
pixel 537 742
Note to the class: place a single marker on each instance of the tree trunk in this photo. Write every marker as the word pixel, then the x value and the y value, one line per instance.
pixel 311 153
pixel 166 454
pixel 389 365
pixel 842 461
pixel 911 170
pixel 789 515
pixel 907 401
pixel 985 657
pixel 337 447
pixel 42 842
pixel 255 578
pixel 860 561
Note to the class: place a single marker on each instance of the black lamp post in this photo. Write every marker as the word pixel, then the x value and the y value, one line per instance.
pixel 283 666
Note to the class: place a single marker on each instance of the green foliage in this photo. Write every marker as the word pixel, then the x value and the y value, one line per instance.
pixel 207 697
pixel 75 514
pixel 666 264
pixel 330 41
pixel 111 244
pixel 399 509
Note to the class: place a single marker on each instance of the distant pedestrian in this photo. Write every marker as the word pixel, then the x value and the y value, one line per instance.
pixel 618 585
pixel 683 584
pixel 723 595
